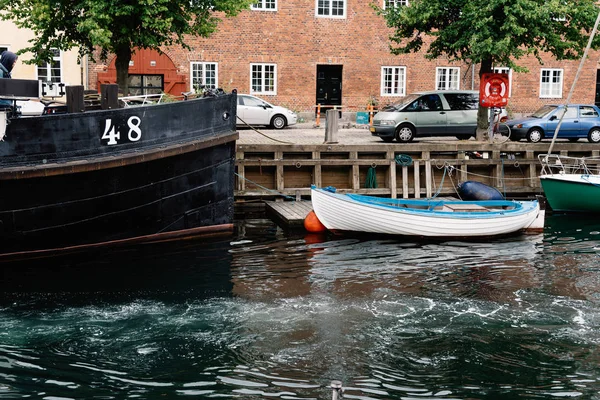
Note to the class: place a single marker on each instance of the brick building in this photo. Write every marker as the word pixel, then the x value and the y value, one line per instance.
pixel 300 53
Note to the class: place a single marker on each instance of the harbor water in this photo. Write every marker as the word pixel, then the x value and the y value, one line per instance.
pixel 272 314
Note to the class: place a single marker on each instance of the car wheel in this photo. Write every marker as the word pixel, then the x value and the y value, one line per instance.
pixel 535 135
pixel 405 133
pixel 594 135
pixel 278 122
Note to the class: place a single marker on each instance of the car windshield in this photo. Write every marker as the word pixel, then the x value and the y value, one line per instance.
pixel 399 106
pixel 544 111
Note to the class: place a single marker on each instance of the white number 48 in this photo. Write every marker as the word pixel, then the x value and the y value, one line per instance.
pixel 112 134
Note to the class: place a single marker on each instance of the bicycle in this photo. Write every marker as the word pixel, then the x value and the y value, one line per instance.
pixel 499 131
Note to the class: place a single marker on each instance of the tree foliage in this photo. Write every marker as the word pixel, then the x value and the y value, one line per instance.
pixel 496 31
pixel 492 32
pixel 114 26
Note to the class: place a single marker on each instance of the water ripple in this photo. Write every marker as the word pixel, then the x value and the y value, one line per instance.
pixel 281 315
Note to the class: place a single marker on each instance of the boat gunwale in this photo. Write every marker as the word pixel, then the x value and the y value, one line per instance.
pixel 128 157
pixel 521 208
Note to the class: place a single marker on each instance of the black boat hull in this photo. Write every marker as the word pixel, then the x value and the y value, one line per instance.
pixel 177 177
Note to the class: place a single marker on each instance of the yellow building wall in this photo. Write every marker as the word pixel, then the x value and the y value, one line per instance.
pixel 14 38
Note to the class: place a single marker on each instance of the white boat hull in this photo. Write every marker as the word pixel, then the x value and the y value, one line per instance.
pixel 339 212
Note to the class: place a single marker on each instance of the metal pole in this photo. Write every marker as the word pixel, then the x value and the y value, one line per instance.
pixel 575 81
pixel 491 124
pixel 337 389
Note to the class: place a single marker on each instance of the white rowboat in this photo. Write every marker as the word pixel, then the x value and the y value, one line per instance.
pixel 425 218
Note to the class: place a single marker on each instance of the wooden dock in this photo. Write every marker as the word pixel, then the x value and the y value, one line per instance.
pixel 272 171
pixel 289 214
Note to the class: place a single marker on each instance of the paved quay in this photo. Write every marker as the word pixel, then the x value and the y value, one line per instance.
pixel 307 133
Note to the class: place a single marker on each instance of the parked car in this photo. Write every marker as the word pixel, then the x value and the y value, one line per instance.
pixel 580 121
pixel 435 113
pixel 252 110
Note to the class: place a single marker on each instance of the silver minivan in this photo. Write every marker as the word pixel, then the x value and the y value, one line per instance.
pixel 435 113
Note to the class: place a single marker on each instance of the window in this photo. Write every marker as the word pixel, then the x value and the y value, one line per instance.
pixel 394 3
pixel 588 112
pixel 428 102
pixel 447 78
pixel 250 101
pixel 508 71
pixel 265 5
pixel 145 84
pixel 331 8
pixel 203 74
pixel 462 101
pixel 551 83
pixel 263 78
pixel 393 81
pixel 570 114
pixel 51 72
pixel 3 48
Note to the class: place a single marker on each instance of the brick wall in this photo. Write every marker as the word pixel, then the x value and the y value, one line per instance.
pixel 297 41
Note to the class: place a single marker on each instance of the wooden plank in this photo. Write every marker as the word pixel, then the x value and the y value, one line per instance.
pixel 316 155
pixel 465 208
pixel 393 185
pixel 532 172
pixel 428 178
pixel 355 171
pixel 417 180
pixel 404 182
pixel 289 213
pixel 279 180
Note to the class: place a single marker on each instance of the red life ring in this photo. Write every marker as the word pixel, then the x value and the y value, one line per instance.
pixel 493 90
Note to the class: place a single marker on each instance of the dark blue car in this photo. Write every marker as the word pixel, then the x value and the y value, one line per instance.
pixel 579 121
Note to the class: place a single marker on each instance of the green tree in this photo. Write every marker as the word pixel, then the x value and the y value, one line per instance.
pixel 114 26
pixel 491 32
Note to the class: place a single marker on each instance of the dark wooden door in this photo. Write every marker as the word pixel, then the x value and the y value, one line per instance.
pixel 329 86
pixel 597 100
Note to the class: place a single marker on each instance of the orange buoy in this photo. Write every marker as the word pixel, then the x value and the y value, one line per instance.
pixel 312 223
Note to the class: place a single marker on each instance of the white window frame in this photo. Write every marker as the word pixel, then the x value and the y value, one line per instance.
pixel 260 5
pixel 330 9
pixel 4 46
pixel 548 92
pixel 448 72
pixel 397 82
pixel 263 79
pixel 204 75
pixel 397 3
pixel 508 71
pixel 58 58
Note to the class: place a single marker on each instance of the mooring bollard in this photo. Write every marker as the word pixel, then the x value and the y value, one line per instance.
pixel 336 387
pixel 331 126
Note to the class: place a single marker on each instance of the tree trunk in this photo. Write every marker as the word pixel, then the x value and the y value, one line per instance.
pixel 122 65
pixel 483 120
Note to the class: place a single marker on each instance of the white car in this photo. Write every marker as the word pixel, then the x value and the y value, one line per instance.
pixel 254 111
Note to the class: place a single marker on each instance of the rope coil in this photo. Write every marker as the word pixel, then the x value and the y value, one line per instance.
pixel 403 159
